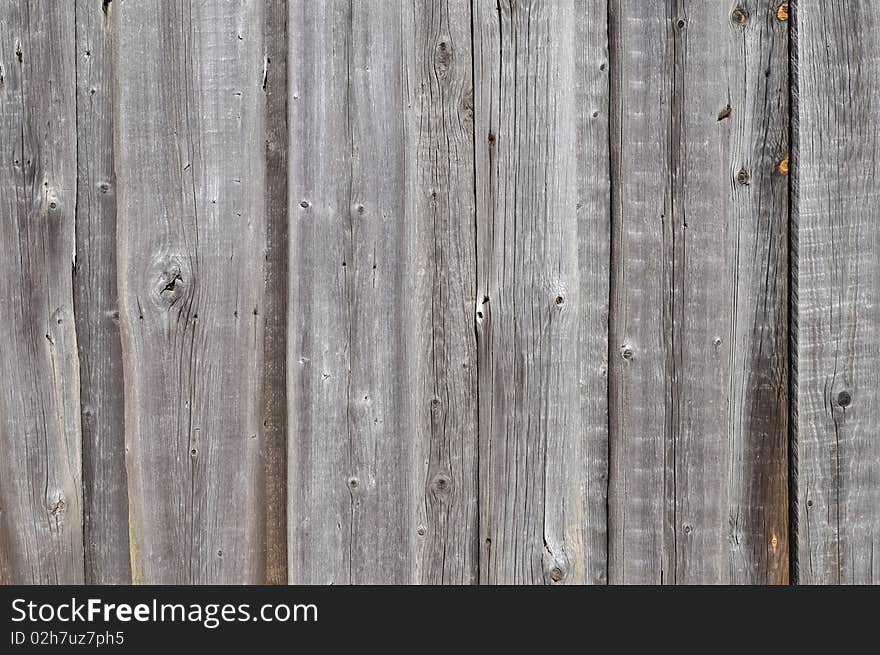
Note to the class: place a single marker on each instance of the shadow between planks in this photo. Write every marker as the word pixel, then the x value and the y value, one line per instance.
pixel 444 291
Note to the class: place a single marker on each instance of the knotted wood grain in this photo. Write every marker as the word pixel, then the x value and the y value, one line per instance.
pixel 381 352
pixel 541 312
pixel 699 367
pixel 191 234
pixel 41 503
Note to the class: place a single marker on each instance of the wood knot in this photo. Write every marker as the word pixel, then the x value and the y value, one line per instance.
pixel 353 483
pixel 421 531
pixel 725 113
pixel 442 58
pixel 441 485
pixel 782 12
pixel 739 16
pixel 844 398
pixel 58 506
pixel 171 284
pixel 742 178
pixel 559 300
pixel 557 574
pixel 626 352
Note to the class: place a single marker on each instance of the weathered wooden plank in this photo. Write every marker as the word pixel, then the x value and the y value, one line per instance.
pixel 41 530
pixel 381 353
pixel 541 98
pixel 837 333
pixel 698 487
pixel 190 161
pixel 105 495
pixel 275 348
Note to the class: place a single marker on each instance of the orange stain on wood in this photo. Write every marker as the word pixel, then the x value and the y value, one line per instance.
pixel 784 165
pixel 782 12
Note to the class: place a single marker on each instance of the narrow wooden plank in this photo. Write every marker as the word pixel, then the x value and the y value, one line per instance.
pixel 381 353
pixel 698 488
pixel 837 335
pixel 542 181
pixel 41 530
pixel 105 496
pixel 191 255
pixel 275 349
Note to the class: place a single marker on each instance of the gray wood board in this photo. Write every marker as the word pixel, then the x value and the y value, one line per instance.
pixel 837 330
pixel 105 494
pixel 41 505
pixel 381 353
pixel 698 490
pixel 191 255
pixel 542 186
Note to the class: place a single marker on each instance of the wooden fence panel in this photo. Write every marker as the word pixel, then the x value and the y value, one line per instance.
pixel 438 291
pixel 541 315
pixel 105 497
pixel 837 330
pixel 191 247
pixel 698 490
pixel 381 352
pixel 41 530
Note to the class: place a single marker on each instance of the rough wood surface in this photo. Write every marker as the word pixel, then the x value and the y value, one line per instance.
pixel 698 490
pixel 275 349
pixel 382 362
pixel 105 496
pixel 540 103
pixel 191 239
pixel 837 336
pixel 438 291
pixel 41 528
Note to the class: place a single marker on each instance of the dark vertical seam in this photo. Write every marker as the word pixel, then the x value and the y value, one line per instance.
pixel 82 459
pixel 674 160
pixel 608 331
pixel 793 236
pixel 476 234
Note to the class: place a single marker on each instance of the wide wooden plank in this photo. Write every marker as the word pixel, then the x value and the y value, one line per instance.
pixel 381 352
pixel 541 137
pixel 698 379
pixel 41 506
pixel 837 263
pixel 191 232
pixel 105 496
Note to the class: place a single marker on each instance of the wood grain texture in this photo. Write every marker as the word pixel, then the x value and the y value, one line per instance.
pixel 381 354
pixel 41 529
pixel 698 490
pixel 275 348
pixel 540 103
pixel 105 494
pixel 189 128
pixel 837 335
